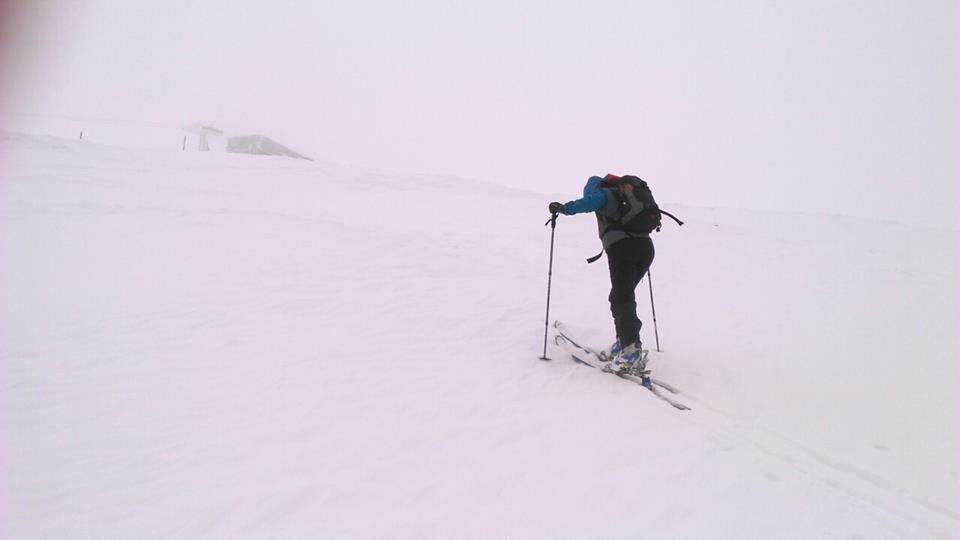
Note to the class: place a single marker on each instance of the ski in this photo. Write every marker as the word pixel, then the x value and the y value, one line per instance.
pixel 581 355
pixel 591 358
pixel 597 359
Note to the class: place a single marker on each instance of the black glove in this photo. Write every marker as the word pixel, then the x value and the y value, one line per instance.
pixel 555 208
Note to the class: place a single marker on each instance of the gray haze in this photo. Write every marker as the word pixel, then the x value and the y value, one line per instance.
pixel 843 107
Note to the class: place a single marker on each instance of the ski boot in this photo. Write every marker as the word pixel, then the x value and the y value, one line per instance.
pixel 610 353
pixel 629 361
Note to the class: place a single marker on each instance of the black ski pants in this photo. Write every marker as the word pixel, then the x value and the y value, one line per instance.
pixel 629 260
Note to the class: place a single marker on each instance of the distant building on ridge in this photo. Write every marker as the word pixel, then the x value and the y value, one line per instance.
pixel 260 145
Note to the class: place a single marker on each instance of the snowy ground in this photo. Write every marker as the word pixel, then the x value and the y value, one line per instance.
pixel 223 346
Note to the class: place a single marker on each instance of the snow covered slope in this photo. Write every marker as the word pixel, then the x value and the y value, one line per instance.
pixel 223 346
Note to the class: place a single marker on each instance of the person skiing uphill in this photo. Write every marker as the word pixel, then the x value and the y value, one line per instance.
pixel 629 251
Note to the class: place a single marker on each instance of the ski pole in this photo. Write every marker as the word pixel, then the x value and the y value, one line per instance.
pixel 546 324
pixel 653 308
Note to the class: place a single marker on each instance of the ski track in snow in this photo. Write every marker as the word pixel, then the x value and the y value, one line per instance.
pixel 884 498
pixel 852 480
pixel 202 345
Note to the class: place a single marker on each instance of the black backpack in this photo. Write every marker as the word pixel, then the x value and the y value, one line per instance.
pixel 637 210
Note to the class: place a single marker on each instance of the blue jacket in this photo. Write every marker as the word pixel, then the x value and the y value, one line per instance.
pixel 593 199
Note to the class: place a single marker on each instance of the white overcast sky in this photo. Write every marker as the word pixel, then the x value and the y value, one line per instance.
pixel 840 106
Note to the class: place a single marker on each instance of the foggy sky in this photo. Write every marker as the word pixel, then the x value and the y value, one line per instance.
pixel 843 107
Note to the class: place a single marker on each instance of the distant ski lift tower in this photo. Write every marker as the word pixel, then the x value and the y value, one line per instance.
pixel 203 130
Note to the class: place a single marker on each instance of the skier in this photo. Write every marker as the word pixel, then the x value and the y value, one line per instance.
pixel 629 256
